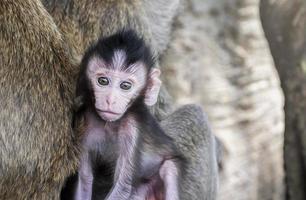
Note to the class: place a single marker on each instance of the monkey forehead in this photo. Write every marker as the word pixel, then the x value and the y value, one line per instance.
pixel 119 59
pixel 95 63
pixel 97 66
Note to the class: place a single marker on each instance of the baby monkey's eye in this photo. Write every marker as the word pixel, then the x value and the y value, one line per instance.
pixel 103 81
pixel 125 85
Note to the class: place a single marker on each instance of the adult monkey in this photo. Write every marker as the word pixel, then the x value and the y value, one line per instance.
pixel 37 77
pixel 37 146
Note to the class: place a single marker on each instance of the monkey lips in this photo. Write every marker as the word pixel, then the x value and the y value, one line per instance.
pixel 108 115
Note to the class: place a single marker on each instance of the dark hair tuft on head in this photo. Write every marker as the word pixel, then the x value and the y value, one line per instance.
pixel 127 40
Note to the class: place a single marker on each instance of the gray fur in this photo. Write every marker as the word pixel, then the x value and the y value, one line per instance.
pixel 190 129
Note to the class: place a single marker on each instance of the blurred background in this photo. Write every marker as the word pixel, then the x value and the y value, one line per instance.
pixel 241 60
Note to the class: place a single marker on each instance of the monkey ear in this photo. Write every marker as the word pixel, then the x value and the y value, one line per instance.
pixel 153 87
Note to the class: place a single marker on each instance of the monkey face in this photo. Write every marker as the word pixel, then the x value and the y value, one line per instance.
pixel 115 89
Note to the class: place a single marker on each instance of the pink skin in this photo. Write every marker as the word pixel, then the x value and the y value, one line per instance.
pixel 153 87
pixel 111 100
pixel 111 104
pixel 96 134
pixel 124 168
pixel 127 136
pixel 84 187
pixel 94 137
pixel 168 173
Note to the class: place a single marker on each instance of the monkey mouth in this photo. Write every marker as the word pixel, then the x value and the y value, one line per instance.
pixel 108 115
pixel 108 112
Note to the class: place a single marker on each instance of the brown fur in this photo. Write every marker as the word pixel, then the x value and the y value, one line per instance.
pixel 84 21
pixel 37 147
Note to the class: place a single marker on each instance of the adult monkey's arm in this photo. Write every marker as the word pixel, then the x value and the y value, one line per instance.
pixel 190 129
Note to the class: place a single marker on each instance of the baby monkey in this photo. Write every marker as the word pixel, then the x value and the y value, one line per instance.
pixel 126 154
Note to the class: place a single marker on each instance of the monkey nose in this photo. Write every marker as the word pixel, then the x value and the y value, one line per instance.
pixel 110 102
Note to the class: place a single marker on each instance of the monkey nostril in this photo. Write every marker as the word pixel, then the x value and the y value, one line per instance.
pixel 109 102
